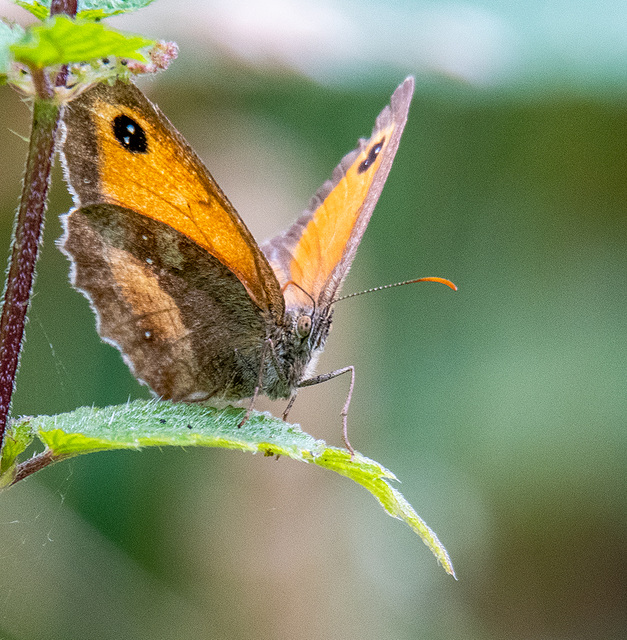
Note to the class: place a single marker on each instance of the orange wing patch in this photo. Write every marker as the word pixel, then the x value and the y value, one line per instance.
pixel 153 173
pixel 325 238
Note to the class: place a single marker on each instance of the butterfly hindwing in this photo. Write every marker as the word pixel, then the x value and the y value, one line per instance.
pixel 165 303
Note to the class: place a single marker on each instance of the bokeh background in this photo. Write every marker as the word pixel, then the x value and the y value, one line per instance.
pixel 501 407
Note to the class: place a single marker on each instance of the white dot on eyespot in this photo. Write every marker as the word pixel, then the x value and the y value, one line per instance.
pixel 127 140
pixel 86 181
pixel 148 335
pixel 149 260
pixel 144 237
pixel 130 128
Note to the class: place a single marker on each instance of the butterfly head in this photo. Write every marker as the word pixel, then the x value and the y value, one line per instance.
pixel 298 343
pixel 310 323
pixel 308 328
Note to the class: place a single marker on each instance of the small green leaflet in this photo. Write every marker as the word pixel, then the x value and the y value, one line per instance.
pixel 64 41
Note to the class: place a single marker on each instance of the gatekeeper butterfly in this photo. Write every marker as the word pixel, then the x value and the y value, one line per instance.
pixel 179 285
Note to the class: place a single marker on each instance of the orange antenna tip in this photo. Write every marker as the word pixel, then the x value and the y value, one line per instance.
pixel 448 283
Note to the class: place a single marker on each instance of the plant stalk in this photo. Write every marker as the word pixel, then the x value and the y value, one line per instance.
pixel 29 224
pixel 26 241
pixel 34 464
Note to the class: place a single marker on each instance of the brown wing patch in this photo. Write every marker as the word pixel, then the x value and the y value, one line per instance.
pixel 140 290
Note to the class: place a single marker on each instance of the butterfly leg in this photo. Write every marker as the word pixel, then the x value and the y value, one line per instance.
pixel 290 404
pixel 328 376
pixel 264 352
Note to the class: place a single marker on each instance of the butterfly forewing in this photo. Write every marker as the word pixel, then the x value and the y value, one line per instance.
pixel 120 149
pixel 316 252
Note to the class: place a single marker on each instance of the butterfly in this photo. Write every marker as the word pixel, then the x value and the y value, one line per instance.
pixel 178 284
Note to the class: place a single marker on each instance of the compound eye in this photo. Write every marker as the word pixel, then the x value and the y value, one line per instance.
pixel 303 326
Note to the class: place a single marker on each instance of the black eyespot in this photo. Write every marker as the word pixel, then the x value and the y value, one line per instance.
pixel 372 156
pixel 129 134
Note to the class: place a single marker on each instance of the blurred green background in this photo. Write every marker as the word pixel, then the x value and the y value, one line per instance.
pixel 501 407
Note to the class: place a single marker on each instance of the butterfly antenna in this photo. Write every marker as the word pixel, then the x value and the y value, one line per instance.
pixel 448 283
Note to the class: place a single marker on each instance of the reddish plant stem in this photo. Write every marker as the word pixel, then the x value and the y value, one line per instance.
pixel 33 465
pixel 28 226
pixel 63 6
pixel 68 7
pixel 26 241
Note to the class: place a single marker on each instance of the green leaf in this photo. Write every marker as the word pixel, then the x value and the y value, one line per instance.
pixel 93 10
pixel 87 9
pixel 40 10
pixel 157 424
pixel 63 41
pixel 9 35
pixel 17 437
